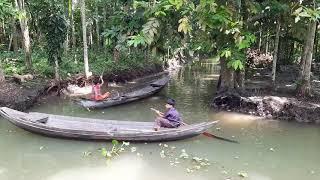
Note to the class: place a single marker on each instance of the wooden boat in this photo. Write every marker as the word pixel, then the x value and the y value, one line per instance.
pixel 146 91
pixel 98 129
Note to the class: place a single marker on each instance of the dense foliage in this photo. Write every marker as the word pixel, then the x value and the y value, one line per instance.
pixel 118 31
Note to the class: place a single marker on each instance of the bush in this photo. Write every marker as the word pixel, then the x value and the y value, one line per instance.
pixel 72 63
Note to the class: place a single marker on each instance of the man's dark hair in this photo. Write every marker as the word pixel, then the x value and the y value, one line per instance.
pixel 172 102
pixel 96 81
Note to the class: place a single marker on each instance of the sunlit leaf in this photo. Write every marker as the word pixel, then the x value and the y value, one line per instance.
pixel 184 25
pixel 115 142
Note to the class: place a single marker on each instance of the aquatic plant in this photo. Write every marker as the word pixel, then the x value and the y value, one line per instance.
pixel 115 150
pixel 193 163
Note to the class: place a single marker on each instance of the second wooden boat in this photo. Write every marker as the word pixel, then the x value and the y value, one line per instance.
pixel 146 91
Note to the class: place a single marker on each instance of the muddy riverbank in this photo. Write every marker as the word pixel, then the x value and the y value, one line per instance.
pixel 22 95
pixel 281 102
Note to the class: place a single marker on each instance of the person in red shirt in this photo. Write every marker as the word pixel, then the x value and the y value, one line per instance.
pixel 96 90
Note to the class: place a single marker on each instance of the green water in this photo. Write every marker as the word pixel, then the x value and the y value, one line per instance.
pixel 267 150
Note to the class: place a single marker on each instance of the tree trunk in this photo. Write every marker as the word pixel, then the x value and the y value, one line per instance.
pixel 25 33
pixel 84 35
pixel 10 42
pixel 97 27
pixel 1 75
pixel 14 35
pixel 104 23
pixel 56 68
pixel 116 55
pixel 2 35
pixel 239 79
pixel 267 42
pixel 260 37
pixel 316 41
pixel 226 78
pixel 275 55
pixel 67 41
pixel 304 87
pixel 4 30
pixel 90 35
pixel 73 34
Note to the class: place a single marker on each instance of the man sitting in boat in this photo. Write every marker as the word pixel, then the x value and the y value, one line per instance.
pixel 96 90
pixel 170 119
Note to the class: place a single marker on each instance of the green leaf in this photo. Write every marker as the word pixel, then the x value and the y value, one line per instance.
pixel 297 11
pixel 297 19
pixel 160 13
pixel 235 64
pixel 226 53
pixel 115 142
pixel 304 14
pixel 104 152
pixel 167 7
pixel 177 3
pixel 184 25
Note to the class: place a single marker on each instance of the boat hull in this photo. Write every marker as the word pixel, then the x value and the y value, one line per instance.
pixel 97 129
pixel 150 89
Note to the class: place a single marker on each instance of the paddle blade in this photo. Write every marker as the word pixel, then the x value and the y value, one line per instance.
pixel 217 137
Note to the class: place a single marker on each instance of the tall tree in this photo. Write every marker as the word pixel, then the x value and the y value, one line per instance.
pixel 73 31
pixel 304 86
pixel 53 24
pixel 20 5
pixel 313 15
pixel 275 52
pixel 97 25
pixel 14 35
pixel 84 36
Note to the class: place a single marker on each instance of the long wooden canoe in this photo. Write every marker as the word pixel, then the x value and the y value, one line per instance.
pixel 98 129
pixel 146 91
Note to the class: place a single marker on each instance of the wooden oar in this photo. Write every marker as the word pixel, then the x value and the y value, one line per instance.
pixel 206 133
pixel 214 136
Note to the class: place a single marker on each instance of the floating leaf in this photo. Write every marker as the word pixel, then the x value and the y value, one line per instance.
pixel 126 143
pixel 162 154
pixel 108 154
pixel 87 153
pixel 133 149
pixel 197 167
pixel 183 154
pixel 189 170
pixel 104 152
pixel 196 159
pixel 115 142
pixel 243 174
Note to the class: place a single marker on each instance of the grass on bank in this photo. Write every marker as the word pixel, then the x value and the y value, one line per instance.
pixel 72 63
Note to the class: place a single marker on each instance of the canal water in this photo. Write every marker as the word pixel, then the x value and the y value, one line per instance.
pixel 268 149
